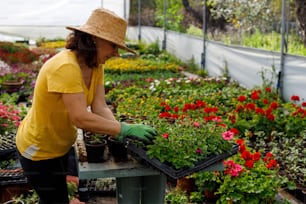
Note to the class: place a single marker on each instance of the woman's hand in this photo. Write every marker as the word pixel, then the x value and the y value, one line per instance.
pixel 143 132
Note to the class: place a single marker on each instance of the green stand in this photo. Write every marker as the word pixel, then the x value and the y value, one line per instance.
pixel 141 189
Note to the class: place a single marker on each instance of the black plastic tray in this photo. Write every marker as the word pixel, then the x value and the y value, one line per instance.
pixel 7 147
pixel 140 154
pixel 12 177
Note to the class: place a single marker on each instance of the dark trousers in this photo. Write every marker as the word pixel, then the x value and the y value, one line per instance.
pixel 48 178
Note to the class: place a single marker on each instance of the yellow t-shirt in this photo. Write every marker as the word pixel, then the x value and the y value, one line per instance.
pixel 47 131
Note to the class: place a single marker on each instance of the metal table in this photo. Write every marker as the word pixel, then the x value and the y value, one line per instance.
pixel 135 183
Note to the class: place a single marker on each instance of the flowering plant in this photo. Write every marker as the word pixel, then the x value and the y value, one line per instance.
pixel 250 177
pixel 9 119
pixel 188 135
pixel 256 111
pixel 13 53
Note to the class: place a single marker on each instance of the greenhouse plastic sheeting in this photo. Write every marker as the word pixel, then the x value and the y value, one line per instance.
pixel 34 19
pixel 244 65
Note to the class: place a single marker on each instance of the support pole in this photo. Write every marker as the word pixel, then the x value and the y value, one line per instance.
pixel 139 20
pixel 280 84
pixel 124 9
pixel 203 55
pixel 164 46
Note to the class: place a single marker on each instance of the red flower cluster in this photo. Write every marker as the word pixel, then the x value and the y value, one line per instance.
pixel 295 98
pixel 271 163
pixel 11 53
pixel 168 112
pixel 251 159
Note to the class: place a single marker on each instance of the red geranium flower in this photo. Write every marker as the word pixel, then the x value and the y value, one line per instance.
pixel 295 98
pixel 249 164
pixel 242 98
pixel 165 135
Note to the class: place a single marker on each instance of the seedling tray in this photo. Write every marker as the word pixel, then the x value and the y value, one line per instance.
pixel 140 154
pixel 12 176
pixel 7 147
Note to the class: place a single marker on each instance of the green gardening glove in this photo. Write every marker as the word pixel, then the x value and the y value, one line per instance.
pixel 139 131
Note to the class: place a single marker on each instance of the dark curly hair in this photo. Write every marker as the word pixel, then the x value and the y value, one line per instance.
pixel 84 46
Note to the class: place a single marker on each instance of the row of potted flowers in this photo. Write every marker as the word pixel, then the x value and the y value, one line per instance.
pixel 194 115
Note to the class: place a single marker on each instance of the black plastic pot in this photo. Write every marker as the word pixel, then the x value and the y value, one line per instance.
pixel 117 150
pixel 95 151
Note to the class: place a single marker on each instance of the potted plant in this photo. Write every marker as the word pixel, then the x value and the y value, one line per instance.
pixel 208 182
pixel 250 177
pixel 12 77
pixel 117 149
pixel 176 196
pixel 95 145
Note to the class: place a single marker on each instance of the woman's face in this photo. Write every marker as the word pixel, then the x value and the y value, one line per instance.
pixel 105 50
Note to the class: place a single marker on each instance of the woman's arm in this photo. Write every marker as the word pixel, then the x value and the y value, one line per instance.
pixel 99 105
pixel 76 106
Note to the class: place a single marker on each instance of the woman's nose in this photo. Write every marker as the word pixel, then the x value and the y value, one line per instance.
pixel 116 53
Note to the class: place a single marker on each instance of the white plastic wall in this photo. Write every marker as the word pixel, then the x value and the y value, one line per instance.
pixel 244 65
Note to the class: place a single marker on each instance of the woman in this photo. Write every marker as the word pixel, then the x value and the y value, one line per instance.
pixel 66 86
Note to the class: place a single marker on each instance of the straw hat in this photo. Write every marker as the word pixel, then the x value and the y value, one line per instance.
pixel 107 25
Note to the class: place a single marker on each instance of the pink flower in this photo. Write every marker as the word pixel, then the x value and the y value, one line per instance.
pixel 227 135
pixel 232 168
pixel 196 124
pixel 199 151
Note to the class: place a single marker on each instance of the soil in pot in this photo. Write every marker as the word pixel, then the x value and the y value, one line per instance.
pixel 117 150
pixel 95 151
pixel 186 184
pixel 89 137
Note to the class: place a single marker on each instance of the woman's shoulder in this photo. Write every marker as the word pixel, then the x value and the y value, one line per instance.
pixel 64 57
pixel 66 54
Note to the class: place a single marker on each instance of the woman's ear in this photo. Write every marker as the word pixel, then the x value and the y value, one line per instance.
pixel 94 39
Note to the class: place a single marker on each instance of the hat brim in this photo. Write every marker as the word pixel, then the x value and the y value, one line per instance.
pixel 124 47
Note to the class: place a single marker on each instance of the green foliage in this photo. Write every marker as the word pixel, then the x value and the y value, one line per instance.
pixel 196 197
pixel 245 14
pixel 173 17
pixel 180 147
pixel 193 30
pixel 72 189
pixel 28 198
pixel 207 180
pixel 7 164
pixel 192 67
pixel 291 152
pixel 9 99
pixel 152 49
pixel 176 196
pixel 32 197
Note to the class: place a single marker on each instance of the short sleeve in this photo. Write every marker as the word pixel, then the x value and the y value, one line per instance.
pixel 65 79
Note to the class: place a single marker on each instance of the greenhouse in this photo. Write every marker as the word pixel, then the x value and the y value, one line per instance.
pixel 152 102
